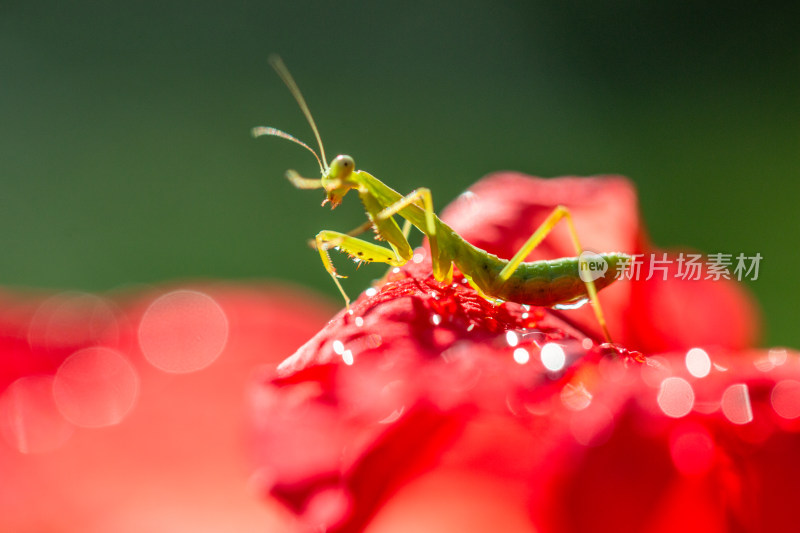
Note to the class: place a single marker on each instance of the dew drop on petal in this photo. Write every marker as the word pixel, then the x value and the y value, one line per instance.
pixel 553 357
pixel 372 291
pixel 183 331
pixel 29 418
pixel 692 449
pixel 521 356
pixel 764 364
pixel 359 321
pixel 698 363
pixel 347 357
pixel 394 416
pixel 675 397
pixel 785 399
pixel 95 387
pixel 73 319
pixel 329 506
pixel 587 343
pixel 396 270
pixel 338 347
pixel 575 397
pixel 777 356
pixel 418 257
pixel 736 404
pixel 512 338
pixel 436 319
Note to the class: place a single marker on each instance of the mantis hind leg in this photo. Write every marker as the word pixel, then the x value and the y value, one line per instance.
pixel 357 249
pixel 442 265
pixel 541 232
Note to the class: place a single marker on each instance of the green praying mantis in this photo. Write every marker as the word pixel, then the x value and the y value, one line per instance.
pixel 542 283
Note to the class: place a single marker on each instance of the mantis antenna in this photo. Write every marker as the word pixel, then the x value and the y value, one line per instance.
pixel 258 131
pixel 277 63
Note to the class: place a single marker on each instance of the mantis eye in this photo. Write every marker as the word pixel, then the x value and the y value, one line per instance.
pixel 345 161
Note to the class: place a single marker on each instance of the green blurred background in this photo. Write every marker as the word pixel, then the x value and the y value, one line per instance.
pixel 125 154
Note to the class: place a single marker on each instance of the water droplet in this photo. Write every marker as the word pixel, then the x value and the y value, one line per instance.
pixel 587 343
pixel 359 321
pixel 736 404
pixel 675 397
pixel 95 387
pixel 785 399
pixel 396 270
pixel 338 347
pixel 571 305
pixel 521 356
pixel 698 362
pixel 372 291
pixel 575 397
pixel 71 320
pixel 553 357
pixel 511 338
pixel 777 356
pixel 436 319
pixel 525 316
pixel 418 257
pixel 764 364
pixel 347 357
pixel 29 417
pixel 470 327
pixel 394 416
pixel 183 331
pixel 328 506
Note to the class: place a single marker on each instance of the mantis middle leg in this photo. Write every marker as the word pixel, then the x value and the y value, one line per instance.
pixel 541 232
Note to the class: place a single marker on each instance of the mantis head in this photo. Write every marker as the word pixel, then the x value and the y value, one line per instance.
pixel 337 178
pixel 337 181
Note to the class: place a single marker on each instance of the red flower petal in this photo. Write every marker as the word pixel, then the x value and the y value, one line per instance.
pixel 174 461
pixel 722 462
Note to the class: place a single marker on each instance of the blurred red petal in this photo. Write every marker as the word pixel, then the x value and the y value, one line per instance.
pixel 177 461
pixel 677 314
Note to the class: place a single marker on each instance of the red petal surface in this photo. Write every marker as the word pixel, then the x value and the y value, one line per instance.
pixel 175 460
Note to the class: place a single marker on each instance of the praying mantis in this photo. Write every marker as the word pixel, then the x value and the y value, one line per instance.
pixel 542 283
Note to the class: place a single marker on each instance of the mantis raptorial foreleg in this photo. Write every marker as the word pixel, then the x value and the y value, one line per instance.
pixel 541 232
pixel 358 249
pixel 442 266
pixel 361 250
